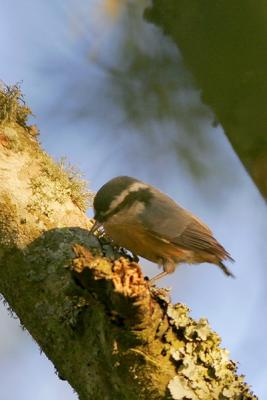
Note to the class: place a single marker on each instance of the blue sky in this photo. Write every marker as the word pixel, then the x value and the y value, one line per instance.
pixel 49 46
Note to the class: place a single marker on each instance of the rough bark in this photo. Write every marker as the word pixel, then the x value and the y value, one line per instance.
pixel 224 45
pixel 87 305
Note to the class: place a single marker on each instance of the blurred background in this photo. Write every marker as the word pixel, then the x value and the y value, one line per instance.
pixel 110 92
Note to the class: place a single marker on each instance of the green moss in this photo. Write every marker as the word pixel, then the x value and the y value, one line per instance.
pixel 8 221
pixel 57 182
pixel 75 182
pixel 13 108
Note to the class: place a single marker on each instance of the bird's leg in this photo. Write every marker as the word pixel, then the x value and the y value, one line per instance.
pixel 135 258
pixel 95 227
pixel 168 268
pixel 157 277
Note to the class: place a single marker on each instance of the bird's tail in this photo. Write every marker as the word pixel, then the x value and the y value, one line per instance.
pixel 225 269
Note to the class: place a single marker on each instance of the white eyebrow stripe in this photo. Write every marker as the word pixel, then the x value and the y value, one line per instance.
pixel 134 187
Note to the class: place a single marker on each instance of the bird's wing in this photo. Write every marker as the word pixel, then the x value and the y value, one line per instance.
pixel 164 218
pixel 171 222
pixel 197 237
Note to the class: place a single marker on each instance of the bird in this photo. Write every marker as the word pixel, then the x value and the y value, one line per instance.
pixel 147 222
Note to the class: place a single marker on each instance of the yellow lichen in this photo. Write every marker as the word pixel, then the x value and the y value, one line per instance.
pixel 204 370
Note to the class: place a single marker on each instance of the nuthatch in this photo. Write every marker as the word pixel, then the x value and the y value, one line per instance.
pixel 150 224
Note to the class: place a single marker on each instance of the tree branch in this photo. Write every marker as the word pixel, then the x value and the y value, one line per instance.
pixel 224 45
pixel 87 304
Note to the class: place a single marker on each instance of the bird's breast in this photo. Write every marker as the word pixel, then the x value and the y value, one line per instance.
pixel 144 243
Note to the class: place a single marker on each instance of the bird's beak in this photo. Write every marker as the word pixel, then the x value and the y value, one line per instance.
pixel 95 227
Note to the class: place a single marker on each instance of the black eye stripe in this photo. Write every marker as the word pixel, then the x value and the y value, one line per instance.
pixel 142 195
pixel 110 191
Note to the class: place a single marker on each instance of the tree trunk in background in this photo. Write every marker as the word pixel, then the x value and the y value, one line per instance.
pixel 107 332
pixel 224 44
